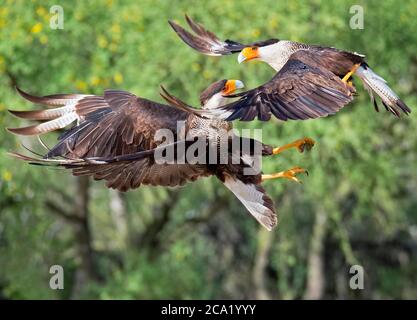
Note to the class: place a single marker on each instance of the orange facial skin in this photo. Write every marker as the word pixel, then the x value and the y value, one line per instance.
pixel 229 87
pixel 250 53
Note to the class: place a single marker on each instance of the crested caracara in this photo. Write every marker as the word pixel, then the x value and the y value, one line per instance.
pixel 311 81
pixel 114 140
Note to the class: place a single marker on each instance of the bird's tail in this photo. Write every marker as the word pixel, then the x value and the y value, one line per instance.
pixel 375 84
pixel 63 113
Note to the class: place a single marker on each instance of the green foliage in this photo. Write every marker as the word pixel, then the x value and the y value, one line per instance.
pixel 363 169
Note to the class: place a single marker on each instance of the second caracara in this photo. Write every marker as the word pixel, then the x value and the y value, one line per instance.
pixel 115 140
pixel 311 81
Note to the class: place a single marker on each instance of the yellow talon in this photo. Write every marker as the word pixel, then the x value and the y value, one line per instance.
pixel 288 174
pixel 350 73
pixel 301 145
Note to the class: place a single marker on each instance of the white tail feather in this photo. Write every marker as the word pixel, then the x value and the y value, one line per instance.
pixel 58 112
pixel 48 114
pixel 376 84
pixel 253 199
pixel 46 127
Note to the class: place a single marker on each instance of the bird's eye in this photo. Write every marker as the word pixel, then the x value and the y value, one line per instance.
pixel 253 48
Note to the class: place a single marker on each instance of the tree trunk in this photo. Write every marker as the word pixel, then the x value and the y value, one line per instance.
pixel 315 276
pixel 265 239
pixel 150 240
pixel 118 213
pixel 87 271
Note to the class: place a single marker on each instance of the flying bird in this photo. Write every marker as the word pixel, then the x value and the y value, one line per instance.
pixel 114 140
pixel 311 81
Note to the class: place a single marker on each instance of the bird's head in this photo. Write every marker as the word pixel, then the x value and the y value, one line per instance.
pixel 249 53
pixel 258 51
pixel 215 94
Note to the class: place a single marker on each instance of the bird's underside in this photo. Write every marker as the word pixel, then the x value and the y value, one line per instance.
pixel 129 171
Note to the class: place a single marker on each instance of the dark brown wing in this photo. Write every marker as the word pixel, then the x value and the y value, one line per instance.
pixel 113 124
pixel 127 171
pixel 297 92
pixel 208 43
pixel 205 41
pixel 130 175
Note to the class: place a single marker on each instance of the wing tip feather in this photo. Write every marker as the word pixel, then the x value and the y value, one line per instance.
pixel 24 131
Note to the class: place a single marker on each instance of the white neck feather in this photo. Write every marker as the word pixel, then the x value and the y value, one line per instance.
pixel 215 101
pixel 277 54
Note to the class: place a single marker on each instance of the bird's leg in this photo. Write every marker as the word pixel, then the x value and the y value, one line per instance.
pixel 349 74
pixel 288 174
pixel 300 144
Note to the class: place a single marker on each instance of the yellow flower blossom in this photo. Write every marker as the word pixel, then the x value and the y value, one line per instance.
pixel 36 28
pixel 105 82
pixel 78 16
pixel 115 28
pixel 81 85
pixel 127 16
pixel 4 12
pixel 102 42
pixel 43 39
pixel 196 67
pixel 7 175
pixel 41 11
pixel 95 81
pixel 273 23
pixel 207 74
pixel 118 78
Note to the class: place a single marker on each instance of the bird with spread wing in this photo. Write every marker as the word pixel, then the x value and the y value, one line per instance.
pixel 114 139
pixel 310 82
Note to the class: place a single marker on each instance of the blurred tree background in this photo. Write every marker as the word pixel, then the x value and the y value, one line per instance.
pixel 358 206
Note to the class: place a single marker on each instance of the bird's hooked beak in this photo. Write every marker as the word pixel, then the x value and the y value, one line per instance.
pixel 248 53
pixel 231 86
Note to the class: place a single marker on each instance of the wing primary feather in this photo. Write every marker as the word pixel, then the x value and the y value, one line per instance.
pixel 48 114
pixel 45 127
pixel 51 100
pixel 176 102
